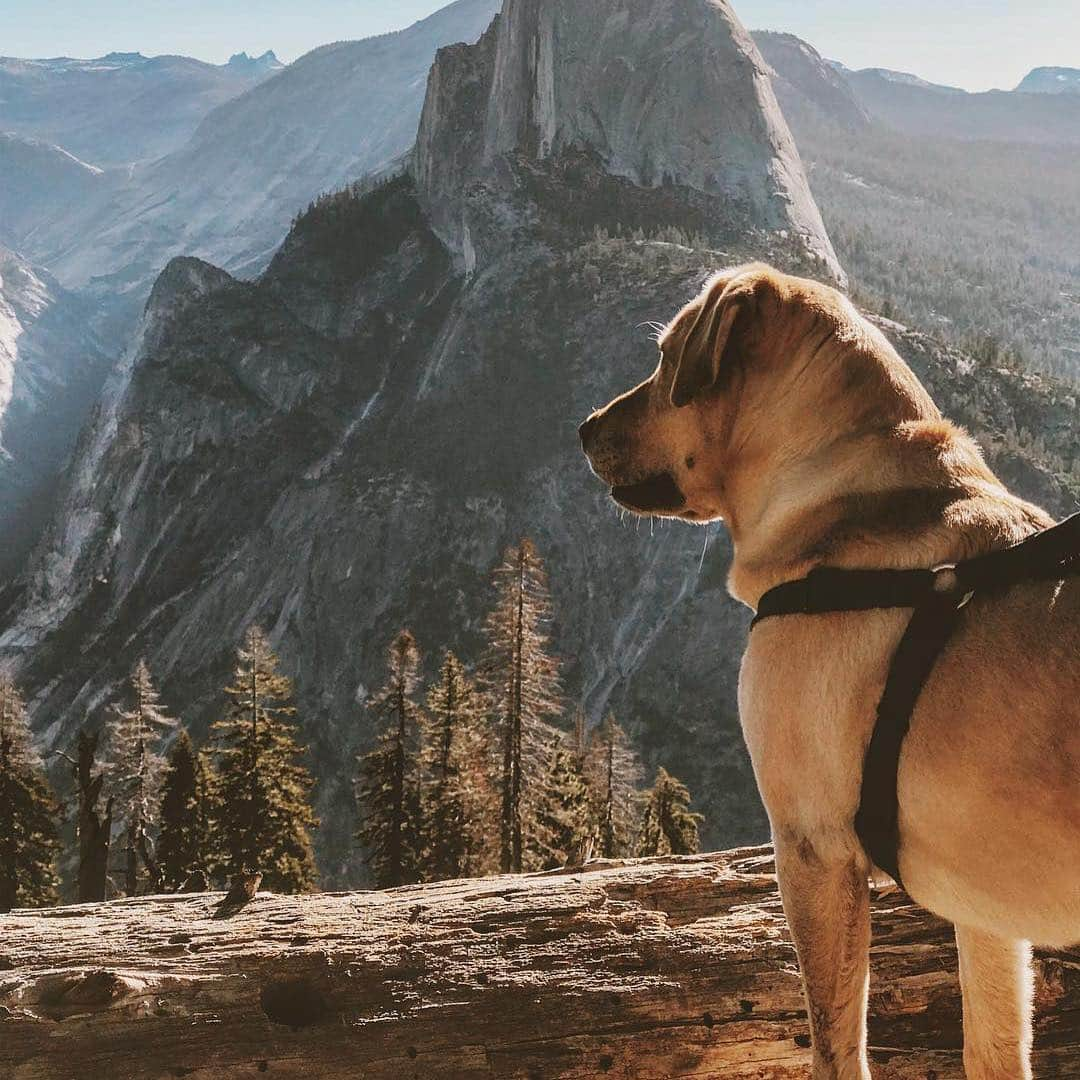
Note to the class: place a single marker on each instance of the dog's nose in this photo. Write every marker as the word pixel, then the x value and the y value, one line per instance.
pixel 587 431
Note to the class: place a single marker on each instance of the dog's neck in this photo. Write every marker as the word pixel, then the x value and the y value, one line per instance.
pixel 916 494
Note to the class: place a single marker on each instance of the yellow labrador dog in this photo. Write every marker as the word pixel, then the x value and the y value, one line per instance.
pixel 777 408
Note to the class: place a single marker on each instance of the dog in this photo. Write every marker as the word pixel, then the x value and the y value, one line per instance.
pixel 778 409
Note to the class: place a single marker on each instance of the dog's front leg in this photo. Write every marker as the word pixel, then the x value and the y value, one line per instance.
pixel 997 984
pixel 827 904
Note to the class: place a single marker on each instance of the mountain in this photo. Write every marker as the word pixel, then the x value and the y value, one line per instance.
pixel 265 64
pixel 901 78
pixel 804 80
pixel 926 110
pixel 230 192
pixel 40 182
pixel 914 106
pixel 119 108
pixel 51 368
pixel 347 445
pixel 1051 80
pixel 973 236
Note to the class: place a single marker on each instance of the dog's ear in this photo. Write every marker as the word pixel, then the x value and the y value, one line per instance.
pixel 705 351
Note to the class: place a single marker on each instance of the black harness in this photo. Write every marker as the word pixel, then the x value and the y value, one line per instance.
pixel 937 598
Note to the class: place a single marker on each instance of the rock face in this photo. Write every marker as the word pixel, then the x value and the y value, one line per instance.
pixel 51 367
pixel 660 94
pixel 667 968
pixel 347 445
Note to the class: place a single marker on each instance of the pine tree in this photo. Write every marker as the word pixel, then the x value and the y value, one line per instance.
pixel 457 792
pixel 28 812
pixel 563 818
pixel 524 687
pixel 262 817
pixel 388 787
pixel 669 827
pixel 614 775
pixel 184 841
pixel 135 771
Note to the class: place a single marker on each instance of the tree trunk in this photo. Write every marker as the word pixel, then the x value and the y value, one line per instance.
pixel 650 969
pixel 94 832
pixel 131 862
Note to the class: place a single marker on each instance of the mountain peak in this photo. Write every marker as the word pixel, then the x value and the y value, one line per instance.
pixel 803 79
pixel 185 279
pixel 267 62
pixel 553 78
pixel 905 78
pixel 123 58
pixel 1051 80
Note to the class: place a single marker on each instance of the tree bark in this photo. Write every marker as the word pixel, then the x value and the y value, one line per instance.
pixel 94 831
pixel 650 969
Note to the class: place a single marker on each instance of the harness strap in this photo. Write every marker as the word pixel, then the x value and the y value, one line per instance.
pixel 937 598
pixel 877 821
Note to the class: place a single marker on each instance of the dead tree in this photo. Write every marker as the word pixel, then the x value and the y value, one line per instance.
pixel 669 968
pixel 94 831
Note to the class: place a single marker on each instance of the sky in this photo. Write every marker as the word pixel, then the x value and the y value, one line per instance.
pixel 976 44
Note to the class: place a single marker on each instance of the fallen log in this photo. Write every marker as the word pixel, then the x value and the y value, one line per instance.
pixel 649 969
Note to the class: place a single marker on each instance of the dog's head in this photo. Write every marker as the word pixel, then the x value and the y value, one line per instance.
pixel 759 376
pixel 664 447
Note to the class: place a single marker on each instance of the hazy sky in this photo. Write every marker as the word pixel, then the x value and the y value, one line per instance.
pixel 976 44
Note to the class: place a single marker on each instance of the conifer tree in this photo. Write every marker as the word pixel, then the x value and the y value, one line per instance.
pixel 184 841
pixel 135 771
pixel 524 687
pixel 388 788
pixel 457 793
pixel 563 816
pixel 28 812
pixel 262 816
pixel 614 775
pixel 669 827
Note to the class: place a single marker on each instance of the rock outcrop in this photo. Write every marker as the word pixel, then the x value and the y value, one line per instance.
pixel 659 968
pixel 660 94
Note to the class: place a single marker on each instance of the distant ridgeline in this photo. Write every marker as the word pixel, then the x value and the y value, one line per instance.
pixel 952 211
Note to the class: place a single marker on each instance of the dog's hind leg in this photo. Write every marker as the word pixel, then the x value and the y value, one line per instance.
pixel 998 986
pixel 828 910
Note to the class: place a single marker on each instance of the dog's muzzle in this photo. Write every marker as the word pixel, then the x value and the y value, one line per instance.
pixel 657 494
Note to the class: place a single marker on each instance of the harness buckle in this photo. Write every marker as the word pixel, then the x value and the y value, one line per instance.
pixel 946 580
